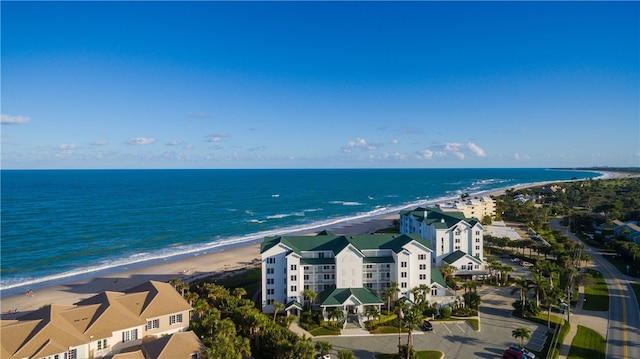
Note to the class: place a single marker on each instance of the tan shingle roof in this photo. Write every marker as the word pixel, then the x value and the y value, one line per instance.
pixel 161 298
pixel 177 345
pixel 110 315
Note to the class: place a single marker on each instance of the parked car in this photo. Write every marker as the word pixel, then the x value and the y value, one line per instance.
pixel 527 354
pixel 512 354
pixel 515 260
pixel 505 255
pixel 320 356
pixel 426 326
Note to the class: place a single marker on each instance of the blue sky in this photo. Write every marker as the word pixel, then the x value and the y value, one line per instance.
pixel 320 85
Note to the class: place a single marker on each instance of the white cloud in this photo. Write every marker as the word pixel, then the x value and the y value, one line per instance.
pixel 66 147
pixel 216 137
pixel 361 144
pixel 99 143
pixel 13 120
pixel 517 156
pixel 141 141
pixel 452 150
pixel 188 146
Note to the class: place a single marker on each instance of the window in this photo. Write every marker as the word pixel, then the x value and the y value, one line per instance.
pixel 71 354
pixel 403 274
pixel 463 267
pixel 271 260
pixel 369 275
pixel 294 267
pixel 321 255
pixel 306 286
pixel 294 278
pixel 434 291
pixel 129 335
pixel 403 264
pixel 423 266
pixel 153 324
pixel 269 280
pixel 477 233
pixel 477 248
pixel 422 257
pixel 102 344
pixel 423 276
pixel 294 288
pixel 477 240
pixel 269 270
pixel 368 266
pixel 270 291
pixel 403 285
pixel 306 277
pixel 327 277
pixel 269 301
pixel 173 319
pixel 477 266
pixel 457 240
pixel 457 232
pixel 457 247
pixel 326 267
pixel 306 267
pixel 442 249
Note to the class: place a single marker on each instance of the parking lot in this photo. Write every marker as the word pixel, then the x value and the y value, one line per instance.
pixel 456 339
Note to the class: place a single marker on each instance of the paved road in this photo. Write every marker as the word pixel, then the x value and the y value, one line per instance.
pixel 623 338
pixel 456 340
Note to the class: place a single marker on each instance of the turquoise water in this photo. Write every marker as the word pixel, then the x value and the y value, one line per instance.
pixel 61 224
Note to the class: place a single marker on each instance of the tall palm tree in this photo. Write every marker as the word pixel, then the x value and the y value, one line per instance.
pixel 277 306
pixel 391 292
pixel 447 271
pixel 371 312
pixel 310 295
pixel 522 285
pixel 521 333
pixel 540 285
pixel 411 318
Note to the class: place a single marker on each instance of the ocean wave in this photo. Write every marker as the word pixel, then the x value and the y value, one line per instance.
pixel 346 203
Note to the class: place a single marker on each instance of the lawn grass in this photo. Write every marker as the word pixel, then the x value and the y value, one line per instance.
pixel 596 295
pixel 621 265
pixel 427 354
pixel 587 344
pixel 384 329
pixel 474 323
pixel 319 331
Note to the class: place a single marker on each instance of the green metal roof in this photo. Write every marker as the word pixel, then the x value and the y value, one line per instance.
pixel 336 243
pixel 337 296
pixel 451 258
pixel 436 276
pixel 294 304
pixel 439 218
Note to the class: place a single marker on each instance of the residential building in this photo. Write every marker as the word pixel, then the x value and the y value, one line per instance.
pixel 455 239
pixel 629 230
pixel 98 326
pixel 347 272
pixel 476 207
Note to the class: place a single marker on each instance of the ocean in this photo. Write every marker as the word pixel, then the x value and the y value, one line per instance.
pixel 63 225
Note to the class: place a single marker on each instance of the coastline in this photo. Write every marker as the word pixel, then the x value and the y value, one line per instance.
pixel 199 265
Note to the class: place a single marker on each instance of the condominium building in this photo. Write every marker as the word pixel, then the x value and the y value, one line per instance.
pixel 347 272
pixel 98 326
pixel 476 207
pixel 455 239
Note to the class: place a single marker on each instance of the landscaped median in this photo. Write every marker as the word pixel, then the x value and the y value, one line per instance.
pixel 587 344
pixel 427 354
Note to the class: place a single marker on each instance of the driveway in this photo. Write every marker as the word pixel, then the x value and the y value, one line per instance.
pixel 454 339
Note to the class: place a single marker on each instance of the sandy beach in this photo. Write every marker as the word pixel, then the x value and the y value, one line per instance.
pixel 187 269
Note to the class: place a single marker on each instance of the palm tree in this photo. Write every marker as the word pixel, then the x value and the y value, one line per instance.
pixel 522 285
pixel 521 333
pixel 323 347
pixel 447 271
pixel 540 285
pixel 401 306
pixel 310 295
pixel 371 312
pixel 552 297
pixel 411 318
pixel 390 292
pixel 239 292
pixel 277 306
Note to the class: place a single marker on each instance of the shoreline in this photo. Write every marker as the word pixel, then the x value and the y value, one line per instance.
pixel 190 267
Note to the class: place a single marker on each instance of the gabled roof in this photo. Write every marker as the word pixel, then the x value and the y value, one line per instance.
pixel 159 298
pixel 336 243
pixel 436 277
pixel 438 218
pixel 293 304
pixel 46 333
pixel 177 345
pixel 111 314
pixel 455 256
pixel 333 296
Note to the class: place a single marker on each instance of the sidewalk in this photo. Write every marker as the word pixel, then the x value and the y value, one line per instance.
pixel 596 320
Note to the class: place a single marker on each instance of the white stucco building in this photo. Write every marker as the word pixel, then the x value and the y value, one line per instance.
pixel 347 272
pixel 455 239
